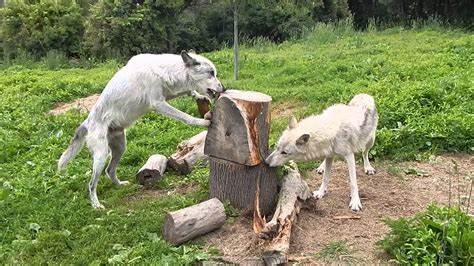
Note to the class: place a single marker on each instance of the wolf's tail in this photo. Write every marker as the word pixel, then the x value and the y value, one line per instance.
pixel 74 147
pixel 363 100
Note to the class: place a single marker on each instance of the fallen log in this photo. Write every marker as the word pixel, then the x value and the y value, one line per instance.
pixel 277 232
pixel 188 223
pixel 152 170
pixel 188 153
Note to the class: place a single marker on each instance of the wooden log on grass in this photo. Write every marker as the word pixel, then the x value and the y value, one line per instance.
pixel 277 232
pixel 237 145
pixel 152 170
pixel 188 223
pixel 188 153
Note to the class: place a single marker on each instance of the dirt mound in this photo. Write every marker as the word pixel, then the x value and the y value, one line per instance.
pixel 83 104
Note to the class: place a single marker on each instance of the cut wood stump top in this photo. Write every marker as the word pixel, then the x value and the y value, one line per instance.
pixel 251 96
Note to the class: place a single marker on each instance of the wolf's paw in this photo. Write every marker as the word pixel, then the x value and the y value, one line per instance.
pixel 319 193
pixel 369 170
pixel 97 205
pixel 203 123
pixel 320 170
pixel 355 204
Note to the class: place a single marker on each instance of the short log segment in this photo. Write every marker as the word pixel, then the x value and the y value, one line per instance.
pixel 188 153
pixel 237 145
pixel 240 127
pixel 278 231
pixel 188 223
pixel 152 170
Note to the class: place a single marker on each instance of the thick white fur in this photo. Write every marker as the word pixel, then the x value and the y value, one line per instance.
pixel 340 130
pixel 144 84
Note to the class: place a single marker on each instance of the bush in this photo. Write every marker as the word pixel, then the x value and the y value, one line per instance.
pixel 41 27
pixel 437 236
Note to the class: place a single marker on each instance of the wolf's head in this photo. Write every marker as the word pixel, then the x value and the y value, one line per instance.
pixel 202 74
pixel 292 145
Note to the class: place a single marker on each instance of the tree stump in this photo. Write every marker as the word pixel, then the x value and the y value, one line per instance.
pixel 188 223
pixel 237 145
pixel 152 170
pixel 188 153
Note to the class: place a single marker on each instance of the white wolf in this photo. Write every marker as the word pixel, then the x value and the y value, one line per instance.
pixel 146 83
pixel 339 130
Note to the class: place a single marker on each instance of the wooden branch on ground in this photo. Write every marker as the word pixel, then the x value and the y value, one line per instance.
pixel 277 232
pixel 188 153
pixel 188 223
pixel 152 170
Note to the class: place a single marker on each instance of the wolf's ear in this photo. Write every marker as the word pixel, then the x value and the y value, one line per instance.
pixel 188 60
pixel 303 139
pixel 292 123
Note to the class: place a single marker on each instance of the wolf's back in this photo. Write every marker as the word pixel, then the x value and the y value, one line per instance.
pixel 363 100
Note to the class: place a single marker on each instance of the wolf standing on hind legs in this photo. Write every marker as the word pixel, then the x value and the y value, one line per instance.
pixel 145 84
pixel 340 130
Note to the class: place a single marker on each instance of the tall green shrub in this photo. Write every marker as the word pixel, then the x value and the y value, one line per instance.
pixel 124 28
pixel 42 27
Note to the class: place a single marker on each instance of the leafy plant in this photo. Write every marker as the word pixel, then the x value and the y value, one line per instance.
pixel 439 235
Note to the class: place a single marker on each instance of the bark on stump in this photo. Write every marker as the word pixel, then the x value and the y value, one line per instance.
pixel 237 145
pixel 188 223
pixel 188 153
pixel 152 170
pixel 203 106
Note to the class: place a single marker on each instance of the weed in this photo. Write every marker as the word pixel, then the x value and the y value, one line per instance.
pixel 335 251
pixel 439 235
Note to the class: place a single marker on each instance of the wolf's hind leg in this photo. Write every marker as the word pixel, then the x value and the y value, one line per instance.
pixel 117 145
pixel 355 203
pixel 324 184
pixel 368 169
pixel 98 146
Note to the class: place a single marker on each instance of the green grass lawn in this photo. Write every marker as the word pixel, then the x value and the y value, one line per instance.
pixel 422 81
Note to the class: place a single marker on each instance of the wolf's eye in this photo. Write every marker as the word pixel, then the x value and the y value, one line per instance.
pixel 212 73
pixel 284 152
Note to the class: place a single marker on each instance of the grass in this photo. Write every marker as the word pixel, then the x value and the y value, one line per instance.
pixel 336 251
pixel 422 81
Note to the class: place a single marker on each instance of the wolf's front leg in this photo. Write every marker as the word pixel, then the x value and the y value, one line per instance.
pixel 355 203
pixel 166 109
pixel 324 184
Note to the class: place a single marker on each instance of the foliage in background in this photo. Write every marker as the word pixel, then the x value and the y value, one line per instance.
pixel 41 27
pixel 440 235
pixel 122 28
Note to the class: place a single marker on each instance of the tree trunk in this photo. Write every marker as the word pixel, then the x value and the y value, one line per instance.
pixel 294 190
pixel 188 153
pixel 237 144
pixel 152 170
pixel 188 223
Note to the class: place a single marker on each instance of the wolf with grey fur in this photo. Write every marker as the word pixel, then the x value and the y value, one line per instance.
pixel 144 84
pixel 340 130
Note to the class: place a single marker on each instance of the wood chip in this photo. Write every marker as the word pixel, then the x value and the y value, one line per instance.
pixel 347 217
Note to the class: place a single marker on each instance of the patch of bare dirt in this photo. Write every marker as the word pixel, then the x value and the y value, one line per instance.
pixel 83 104
pixel 396 190
pixel 284 109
